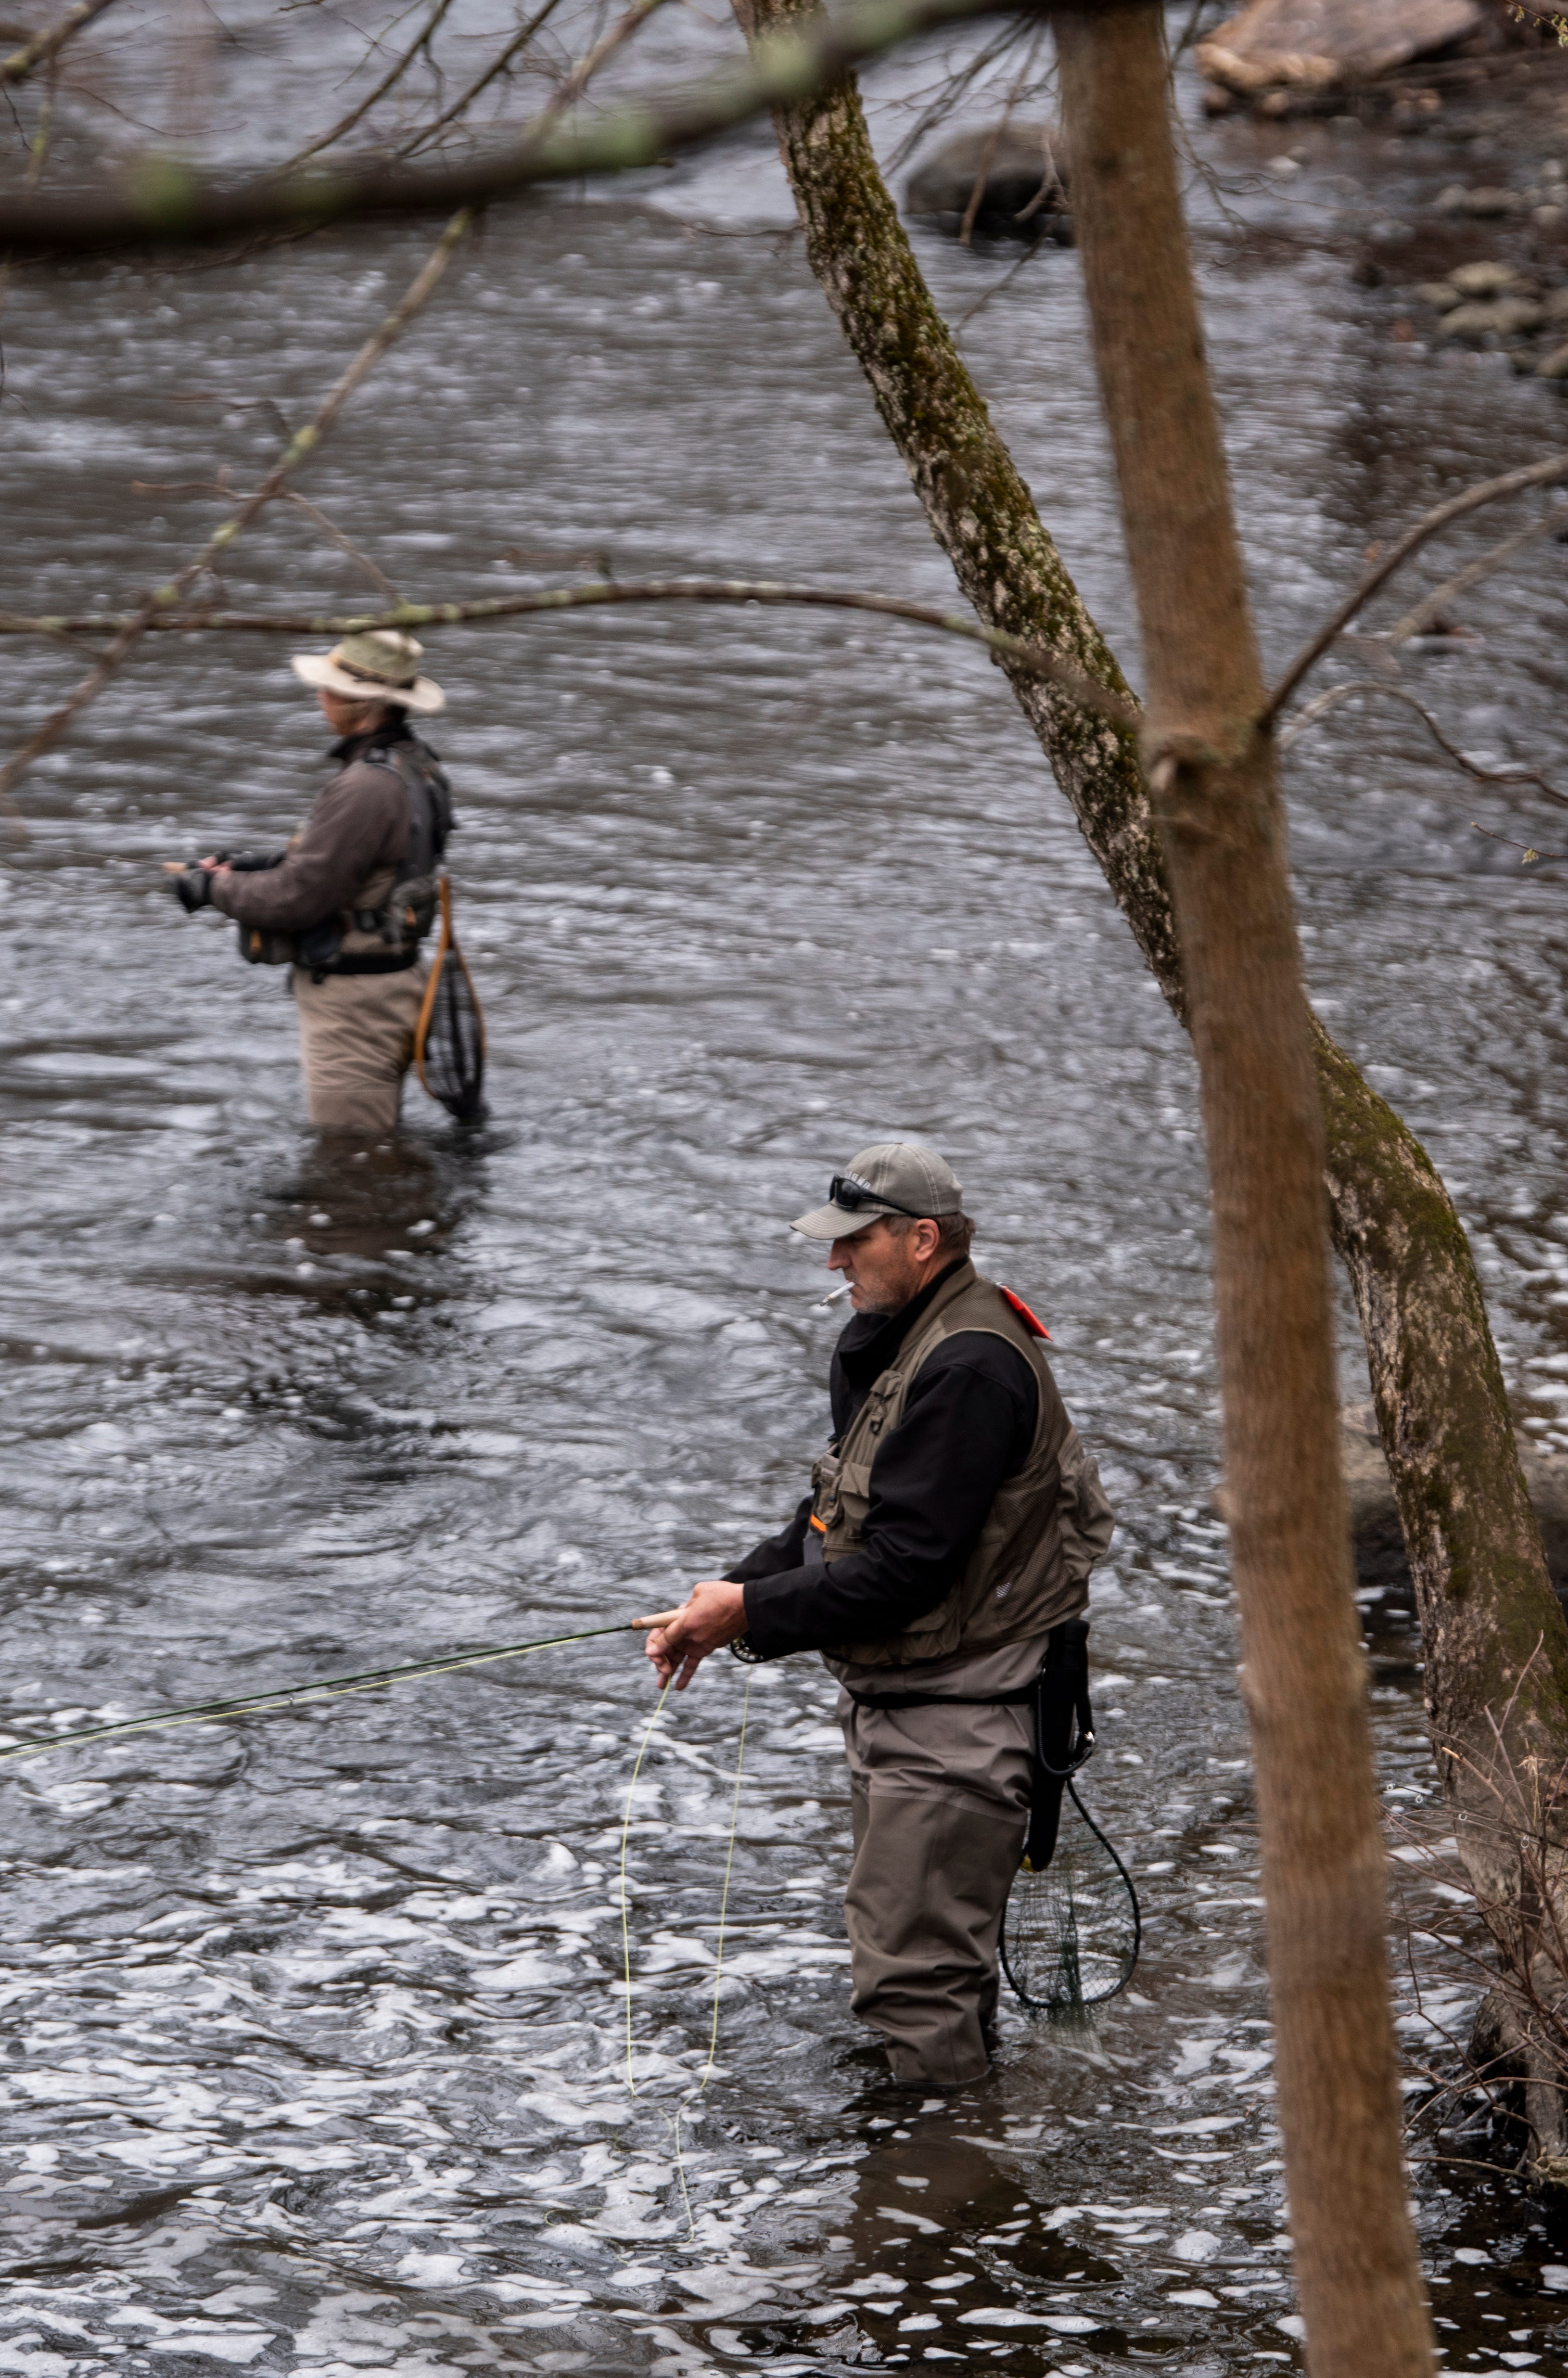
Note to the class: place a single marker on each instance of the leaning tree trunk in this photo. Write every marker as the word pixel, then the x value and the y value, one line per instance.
pixel 1222 826
pixel 1496 1644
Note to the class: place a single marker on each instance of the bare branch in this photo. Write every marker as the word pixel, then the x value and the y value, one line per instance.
pixel 1432 607
pixel 481 83
pixel 951 89
pixel 993 139
pixel 393 76
pixel 1529 855
pixel 588 66
pixel 220 487
pixel 164 599
pixel 1073 682
pixel 175 206
pixel 1312 711
pixel 1489 491
pixel 48 44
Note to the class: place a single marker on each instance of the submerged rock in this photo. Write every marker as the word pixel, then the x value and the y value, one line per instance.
pixel 1314 44
pixel 1025 190
pixel 1487 204
pixel 1506 316
pixel 1374 1519
pixel 1487 279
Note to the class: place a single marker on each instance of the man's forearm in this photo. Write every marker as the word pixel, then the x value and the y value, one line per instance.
pixel 855 1600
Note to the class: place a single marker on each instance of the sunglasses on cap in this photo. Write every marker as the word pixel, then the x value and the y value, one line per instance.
pixel 851 1196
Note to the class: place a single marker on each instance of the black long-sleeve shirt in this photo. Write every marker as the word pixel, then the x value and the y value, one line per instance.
pixel 968 1422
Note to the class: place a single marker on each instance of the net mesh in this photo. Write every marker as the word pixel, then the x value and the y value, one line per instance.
pixel 1069 1935
pixel 450 1051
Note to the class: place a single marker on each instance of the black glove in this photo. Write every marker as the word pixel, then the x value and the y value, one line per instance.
pixel 192 888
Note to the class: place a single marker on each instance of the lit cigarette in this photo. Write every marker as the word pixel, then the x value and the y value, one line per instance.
pixel 833 1296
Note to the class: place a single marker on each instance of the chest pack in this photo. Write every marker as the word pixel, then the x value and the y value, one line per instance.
pixel 383 935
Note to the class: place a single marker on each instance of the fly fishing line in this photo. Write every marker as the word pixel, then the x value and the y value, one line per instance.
pixel 326 1689
pixel 625 1848
pixel 729 1868
pixel 675 2118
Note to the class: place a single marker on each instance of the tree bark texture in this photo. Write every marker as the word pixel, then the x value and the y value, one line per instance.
pixel 1496 1644
pixel 1222 823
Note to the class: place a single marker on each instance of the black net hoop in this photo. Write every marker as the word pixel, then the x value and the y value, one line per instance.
pixel 1070 1935
pixel 449 1047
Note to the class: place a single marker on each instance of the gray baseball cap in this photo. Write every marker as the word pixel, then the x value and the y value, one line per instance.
pixel 894 1177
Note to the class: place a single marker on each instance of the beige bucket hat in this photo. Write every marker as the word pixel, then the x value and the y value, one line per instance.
pixel 381 666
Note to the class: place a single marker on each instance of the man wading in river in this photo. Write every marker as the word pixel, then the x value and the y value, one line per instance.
pixel 954 1522
pixel 347 904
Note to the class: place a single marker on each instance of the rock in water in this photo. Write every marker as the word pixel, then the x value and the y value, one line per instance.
pixel 1025 195
pixel 1313 44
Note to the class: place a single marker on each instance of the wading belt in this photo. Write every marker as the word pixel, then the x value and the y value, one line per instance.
pixel 371 962
pixel 1064 1726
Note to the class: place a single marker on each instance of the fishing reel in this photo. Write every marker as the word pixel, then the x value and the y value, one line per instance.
pixel 190 884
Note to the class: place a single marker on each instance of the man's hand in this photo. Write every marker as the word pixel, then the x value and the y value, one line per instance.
pixel 682 1639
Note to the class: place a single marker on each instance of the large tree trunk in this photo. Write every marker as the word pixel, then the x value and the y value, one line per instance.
pixel 1496 1644
pixel 1222 826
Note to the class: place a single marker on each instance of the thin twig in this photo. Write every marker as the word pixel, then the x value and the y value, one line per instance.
pixel 1417 622
pixel 1530 856
pixel 1035 658
pixel 163 600
pixel 49 42
pixel 994 138
pixel 220 487
pixel 393 76
pixel 997 287
pixel 729 591
pixel 949 93
pixel 1489 491
pixel 588 66
pixel 481 83
pixel 1311 712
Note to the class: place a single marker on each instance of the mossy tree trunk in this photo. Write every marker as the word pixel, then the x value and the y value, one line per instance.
pixel 1496 1644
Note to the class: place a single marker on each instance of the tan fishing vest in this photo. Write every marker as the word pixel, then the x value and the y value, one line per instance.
pixel 1047 1525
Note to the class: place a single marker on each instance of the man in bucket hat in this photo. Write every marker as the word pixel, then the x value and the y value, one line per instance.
pixel 349 900
pixel 953 1524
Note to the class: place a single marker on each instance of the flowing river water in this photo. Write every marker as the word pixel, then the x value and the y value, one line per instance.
pixel 315 2025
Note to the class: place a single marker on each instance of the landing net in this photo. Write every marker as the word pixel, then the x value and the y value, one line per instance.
pixel 1069 1935
pixel 449 1047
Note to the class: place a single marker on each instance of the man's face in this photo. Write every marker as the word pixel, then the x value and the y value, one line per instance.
pixel 346 718
pixel 883 1269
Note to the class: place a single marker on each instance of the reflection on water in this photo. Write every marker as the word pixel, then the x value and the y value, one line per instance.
pixel 316 2047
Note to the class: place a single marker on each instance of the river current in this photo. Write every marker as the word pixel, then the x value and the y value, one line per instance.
pixel 315 2033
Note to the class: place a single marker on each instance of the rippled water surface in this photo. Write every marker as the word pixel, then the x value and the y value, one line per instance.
pixel 316 2025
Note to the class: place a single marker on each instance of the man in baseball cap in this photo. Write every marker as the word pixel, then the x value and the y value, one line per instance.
pixel 952 1523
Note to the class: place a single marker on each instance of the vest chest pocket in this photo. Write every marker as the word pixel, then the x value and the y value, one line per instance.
pixel 873 1415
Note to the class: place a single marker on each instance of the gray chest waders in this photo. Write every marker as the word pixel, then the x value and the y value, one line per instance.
pixel 1064 1726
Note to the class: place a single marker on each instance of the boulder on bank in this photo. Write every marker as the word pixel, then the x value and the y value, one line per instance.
pixel 1316 45
pixel 1023 193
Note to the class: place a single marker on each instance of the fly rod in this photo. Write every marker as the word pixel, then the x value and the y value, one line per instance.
pixel 324 1688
